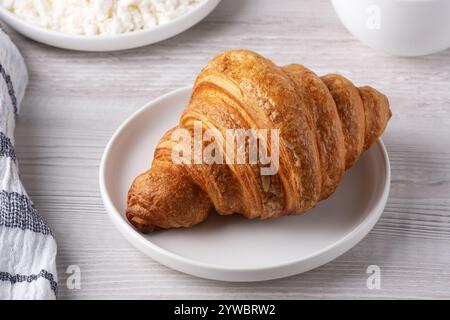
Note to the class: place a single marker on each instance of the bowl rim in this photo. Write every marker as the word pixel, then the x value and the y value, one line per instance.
pixel 402 48
pixel 121 36
pixel 238 274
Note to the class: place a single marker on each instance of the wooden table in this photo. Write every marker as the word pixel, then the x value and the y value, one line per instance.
pixel 76 100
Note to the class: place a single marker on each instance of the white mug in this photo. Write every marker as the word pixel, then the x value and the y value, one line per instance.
pixel 398 27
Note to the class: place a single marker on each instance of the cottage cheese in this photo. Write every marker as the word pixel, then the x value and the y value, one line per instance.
pixel 98 17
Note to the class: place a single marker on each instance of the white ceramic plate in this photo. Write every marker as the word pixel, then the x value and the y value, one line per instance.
pixel 110 42
pixel 232 248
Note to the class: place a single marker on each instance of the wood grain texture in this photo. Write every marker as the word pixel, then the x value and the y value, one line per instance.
pixel 76 100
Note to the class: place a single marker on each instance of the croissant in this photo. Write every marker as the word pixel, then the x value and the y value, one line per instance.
pixel 323 125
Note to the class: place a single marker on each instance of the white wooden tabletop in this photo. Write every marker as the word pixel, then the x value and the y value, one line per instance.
pixel 76 100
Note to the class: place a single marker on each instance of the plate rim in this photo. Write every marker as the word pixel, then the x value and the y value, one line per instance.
pixel 81 42
pixel 228 273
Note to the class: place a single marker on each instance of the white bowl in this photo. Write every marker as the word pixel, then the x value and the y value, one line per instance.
pixel 398 27
pixel 231 248
pixel 110 42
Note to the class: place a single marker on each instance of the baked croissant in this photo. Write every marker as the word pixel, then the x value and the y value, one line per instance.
pixel 324 124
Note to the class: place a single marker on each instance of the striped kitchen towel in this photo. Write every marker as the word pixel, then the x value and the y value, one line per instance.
pixel 27 246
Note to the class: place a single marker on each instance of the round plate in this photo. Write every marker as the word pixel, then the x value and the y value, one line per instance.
pixel 110 42
pixel 231 248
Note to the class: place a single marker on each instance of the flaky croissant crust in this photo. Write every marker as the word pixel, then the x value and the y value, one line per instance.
pixel 325 123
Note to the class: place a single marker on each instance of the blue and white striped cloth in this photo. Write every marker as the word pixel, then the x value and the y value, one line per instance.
pixel 27 247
